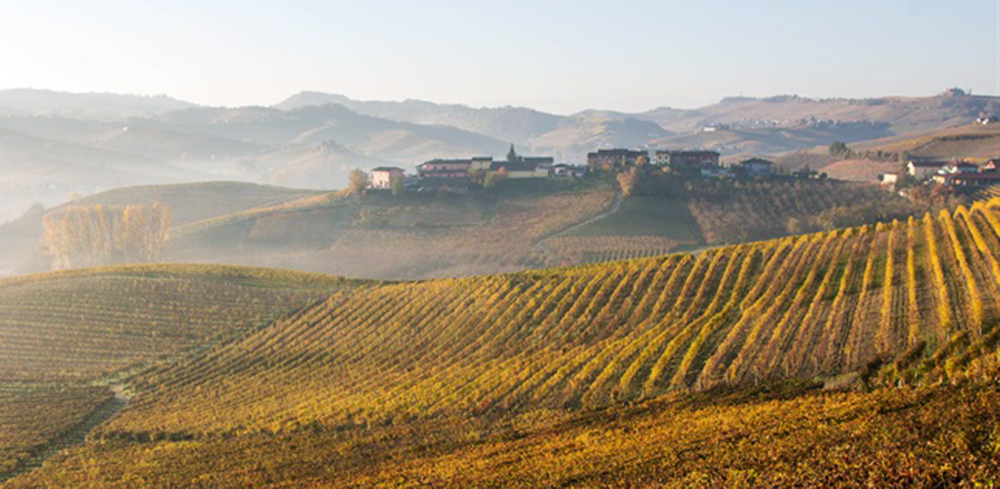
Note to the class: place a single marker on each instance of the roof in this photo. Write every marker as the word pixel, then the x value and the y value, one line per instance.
pixel 538 159
pixel 516 166
pixel 973 176
pixel 756 161
pixel 618 152
pixel 387 168
pixel 697 152
pixel 928 164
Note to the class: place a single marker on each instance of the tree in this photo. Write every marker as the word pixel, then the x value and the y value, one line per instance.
pixel 512 156
pixel 100 235
pixel 396 184
pixel 838 148
pixel 490 180
pixel 357 182
pixel 629 180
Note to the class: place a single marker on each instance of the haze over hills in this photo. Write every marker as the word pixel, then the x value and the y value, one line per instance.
pixel 57 142
pixel 90 106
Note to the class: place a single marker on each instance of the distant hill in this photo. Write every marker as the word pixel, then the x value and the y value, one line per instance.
pixel 975 142
pixel 748 125
pixel 518 125
pixel 902 114
pixel 94 106
pixel 21 239
pixel 567 137
pixel 771 140
pixel 402 142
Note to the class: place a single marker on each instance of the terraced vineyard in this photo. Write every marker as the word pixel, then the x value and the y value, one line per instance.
pixel 806 307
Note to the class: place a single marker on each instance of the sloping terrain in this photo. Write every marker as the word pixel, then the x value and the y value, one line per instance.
pixel 903 114
pixel 820 305
pixel 975 142
pixel 859 170
pixel 65 337
pixel 579 375
pixel 22 239
pixel 84 325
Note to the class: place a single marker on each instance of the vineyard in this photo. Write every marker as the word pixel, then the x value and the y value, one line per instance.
pixel 789 437
pixel 734 212
pixel 79 326
pixel 543 377
pixel 29 417
pixel 814 306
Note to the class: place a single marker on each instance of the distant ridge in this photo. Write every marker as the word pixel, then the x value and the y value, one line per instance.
pixel 98 106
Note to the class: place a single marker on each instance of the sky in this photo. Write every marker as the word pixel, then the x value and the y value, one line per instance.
pixel 553 55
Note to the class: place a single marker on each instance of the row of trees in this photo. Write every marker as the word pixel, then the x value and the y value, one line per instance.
pixel 97 235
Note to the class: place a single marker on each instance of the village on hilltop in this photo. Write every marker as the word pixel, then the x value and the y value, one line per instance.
pixel 486 170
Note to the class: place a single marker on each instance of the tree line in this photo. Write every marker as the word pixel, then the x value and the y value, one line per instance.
pixel 82 236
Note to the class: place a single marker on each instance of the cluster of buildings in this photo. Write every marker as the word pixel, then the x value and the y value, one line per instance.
pixel 465 169
pixel 954 173
pixel 689 163
pixel 684 163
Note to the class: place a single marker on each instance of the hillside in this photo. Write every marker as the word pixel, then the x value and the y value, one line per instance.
pixel 806 307
pixel 974 142
pixel 902 114
pixel 519 225
pixel 65 336
pixel 579 375
pixel 22 237
pixel 524 225
pixel 770 140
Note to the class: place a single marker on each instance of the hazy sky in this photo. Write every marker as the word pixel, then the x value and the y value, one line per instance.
pixel 559 56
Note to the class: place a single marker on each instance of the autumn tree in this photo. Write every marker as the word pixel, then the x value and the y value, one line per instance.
pixel 357 181
pixel 629 180
pixel 396 184
pixel 100 235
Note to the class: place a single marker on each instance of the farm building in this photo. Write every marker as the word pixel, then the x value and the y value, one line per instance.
pixel 756 167
pixel 924 169
pixel 687 159
pixel 614 158
pixel 383 176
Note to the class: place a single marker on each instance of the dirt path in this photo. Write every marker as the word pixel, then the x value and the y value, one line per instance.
pixel 75 436
pixel 611 211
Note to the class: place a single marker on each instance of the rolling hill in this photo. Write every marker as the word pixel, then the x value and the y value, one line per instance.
pixel 973 142
pixel 517 226
pixel 564 376
pixel 750 125
pixel 22 238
